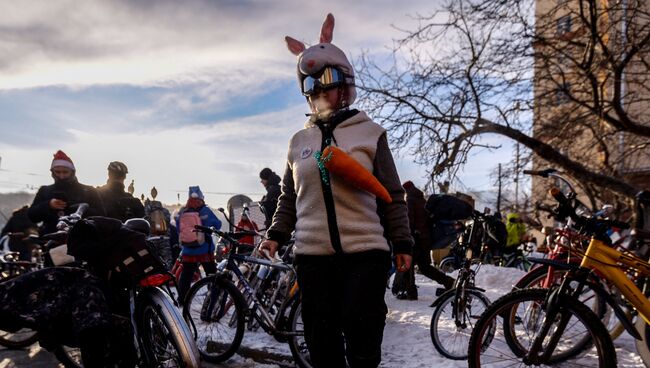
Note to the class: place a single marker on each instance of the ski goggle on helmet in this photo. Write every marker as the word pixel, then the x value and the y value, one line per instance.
pixel 326 78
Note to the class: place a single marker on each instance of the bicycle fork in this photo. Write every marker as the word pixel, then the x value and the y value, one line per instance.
pixel 553 306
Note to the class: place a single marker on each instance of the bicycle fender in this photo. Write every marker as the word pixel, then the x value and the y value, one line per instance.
pixel 442 297
pixel 620 314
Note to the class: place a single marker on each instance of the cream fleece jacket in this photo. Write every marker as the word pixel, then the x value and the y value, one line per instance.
pixel 364 223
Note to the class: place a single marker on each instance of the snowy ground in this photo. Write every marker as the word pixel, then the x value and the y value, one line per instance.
pixel 407 343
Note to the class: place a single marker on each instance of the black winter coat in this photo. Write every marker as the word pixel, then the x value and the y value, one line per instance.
pixel 71 192
pixel 18 223
pixel 119 204
pixel 418 217
pixel 270 201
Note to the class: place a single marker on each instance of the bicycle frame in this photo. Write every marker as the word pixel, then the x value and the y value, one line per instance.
pixel 266 321
pixel 604 260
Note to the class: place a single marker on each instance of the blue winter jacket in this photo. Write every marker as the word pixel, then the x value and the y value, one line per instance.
pixel 208 218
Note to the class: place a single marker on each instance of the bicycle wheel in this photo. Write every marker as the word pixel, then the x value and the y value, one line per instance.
pixel 643 345
pixel 216 308
pixel 522 314
pixel 70 357
pixel 166 339
pixel 19 339
pixel 453 320
pixel 297 342
pixel 535 278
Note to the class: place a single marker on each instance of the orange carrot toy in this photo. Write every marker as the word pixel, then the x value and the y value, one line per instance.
pixel 345 167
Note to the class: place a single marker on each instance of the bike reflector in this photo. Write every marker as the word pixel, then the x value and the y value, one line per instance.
pixel 155 280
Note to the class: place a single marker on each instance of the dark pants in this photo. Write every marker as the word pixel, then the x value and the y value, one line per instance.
pixel 405 281
pixel 343 308
pixel 189 268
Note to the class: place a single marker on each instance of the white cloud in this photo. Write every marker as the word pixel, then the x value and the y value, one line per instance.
pixel 221 157
pixel 161 42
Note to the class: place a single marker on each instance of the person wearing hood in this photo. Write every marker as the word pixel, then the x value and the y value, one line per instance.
pixel 404 283
pixel 61 198
pixel 516 232
pixel 271 182
pixel 196 247
pixel 347 221
pixel 118 203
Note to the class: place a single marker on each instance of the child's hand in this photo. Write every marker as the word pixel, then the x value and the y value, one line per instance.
pixel 403 262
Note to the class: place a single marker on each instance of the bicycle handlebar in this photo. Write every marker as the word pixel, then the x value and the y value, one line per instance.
pixel 590 224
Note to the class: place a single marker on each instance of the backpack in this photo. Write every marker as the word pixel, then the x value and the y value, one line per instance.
pixel 448 207
pixel 187 235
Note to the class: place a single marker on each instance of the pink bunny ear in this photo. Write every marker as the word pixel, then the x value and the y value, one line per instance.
pixel 295 46
pixel 327 32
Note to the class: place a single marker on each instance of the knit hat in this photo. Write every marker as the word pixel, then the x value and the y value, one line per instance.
pixel 195 192
pixel 62 160
pixel 266 173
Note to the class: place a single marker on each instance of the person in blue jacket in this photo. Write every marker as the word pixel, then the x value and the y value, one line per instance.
pixel 199 249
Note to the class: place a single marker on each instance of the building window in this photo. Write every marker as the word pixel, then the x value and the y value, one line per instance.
pixel 562 94
pixel 563 25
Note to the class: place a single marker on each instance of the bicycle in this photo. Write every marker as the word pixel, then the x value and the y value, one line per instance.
pixel 160 334
pixel 550 271
pixel 458 308
pixel 548 314
pixel 218 310
pixel 10 267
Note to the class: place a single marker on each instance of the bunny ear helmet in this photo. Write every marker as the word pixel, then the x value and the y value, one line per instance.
pixel 313 59
pixel 327 31
pixel 295 46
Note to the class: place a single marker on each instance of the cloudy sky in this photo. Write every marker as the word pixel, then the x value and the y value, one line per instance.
pixel 185 93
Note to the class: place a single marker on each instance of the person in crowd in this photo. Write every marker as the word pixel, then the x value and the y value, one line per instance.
pixel 344 233
pixel 197 247
pixel 516 232
pixel 19 228
pixel 119 204
pixel 61 198
pixel 404 283
pixel 271 182
pixel 246 224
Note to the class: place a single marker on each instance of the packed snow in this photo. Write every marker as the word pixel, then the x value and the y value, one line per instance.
pixel 407 343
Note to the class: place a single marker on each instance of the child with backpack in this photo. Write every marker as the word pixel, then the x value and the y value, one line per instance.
pixel 196 246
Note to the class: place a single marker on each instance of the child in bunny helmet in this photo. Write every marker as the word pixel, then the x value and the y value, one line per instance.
pixel 344 235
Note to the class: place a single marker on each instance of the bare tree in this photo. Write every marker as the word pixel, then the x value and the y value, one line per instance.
pixel 480 67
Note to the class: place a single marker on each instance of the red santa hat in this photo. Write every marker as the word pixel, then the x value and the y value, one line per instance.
pixel 62 160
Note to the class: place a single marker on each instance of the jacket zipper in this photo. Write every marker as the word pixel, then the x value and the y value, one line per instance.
pixel 335 238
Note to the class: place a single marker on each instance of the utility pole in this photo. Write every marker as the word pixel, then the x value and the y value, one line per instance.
pixel 517 178
pixel 499 191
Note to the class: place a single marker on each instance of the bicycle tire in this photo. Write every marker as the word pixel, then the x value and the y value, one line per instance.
pixel 441 303
pixel 297 343
pixel 643 345
pixel 15 340
pixel 503 308
pixel 233 299
pixel 158 318
pixel 534 276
